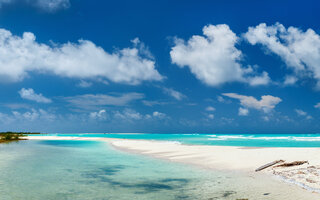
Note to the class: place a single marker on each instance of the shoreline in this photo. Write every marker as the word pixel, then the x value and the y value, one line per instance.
pixel 224 158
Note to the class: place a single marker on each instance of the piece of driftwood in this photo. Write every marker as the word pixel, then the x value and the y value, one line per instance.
pixel 295 163
pixel 269 165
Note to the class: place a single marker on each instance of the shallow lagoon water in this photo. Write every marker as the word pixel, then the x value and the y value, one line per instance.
pixel 93 170
pixel 58 170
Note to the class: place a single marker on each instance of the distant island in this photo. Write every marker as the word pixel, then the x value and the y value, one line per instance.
pixel 14 136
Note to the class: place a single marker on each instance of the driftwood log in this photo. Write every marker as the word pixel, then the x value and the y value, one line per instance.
pixel 268 165
pixel 295 163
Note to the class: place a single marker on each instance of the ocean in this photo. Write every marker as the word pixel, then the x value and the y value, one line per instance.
pixel 247 140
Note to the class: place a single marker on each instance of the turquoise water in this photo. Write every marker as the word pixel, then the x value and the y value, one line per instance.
pixel 60 170
pixel 257 140
pixel 93 170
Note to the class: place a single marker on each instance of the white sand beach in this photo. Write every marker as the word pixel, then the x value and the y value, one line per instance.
pixel 228 158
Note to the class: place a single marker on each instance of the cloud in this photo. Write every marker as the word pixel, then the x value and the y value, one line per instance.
pixel 31 95
pixel 27 115
pixel 101 114
pixel 5 118
pixel 46 5
pixel 300 112
pixel 266 118
pixel 266 104
pixel 153 103
pixel 298 49
pixel 264 79
pixel 84 60
pixel 159 115
pixel 23 119
pixel 317 105
pixel 33 115
pixel 91 101
pixel 52 5
pixel 290 80
pixel 303 113
pixel 243 111
pixel 211 116
pixel 17 106
pixel 128 114
pixel 220 99
pixel 210 109
pixel 223 100
pixel 175 94
pixel 132 115
pixel 226 120
pixel 213 58
pixel 84 84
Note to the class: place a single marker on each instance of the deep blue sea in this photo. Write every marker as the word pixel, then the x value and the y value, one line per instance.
pixel 250 140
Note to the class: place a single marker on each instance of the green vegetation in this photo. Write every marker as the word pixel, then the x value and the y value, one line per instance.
pixel 13 136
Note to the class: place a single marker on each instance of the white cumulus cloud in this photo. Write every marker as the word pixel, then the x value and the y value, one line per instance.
pixel 264 79
pixel 84 60
pixel 101 114
pixel 213 58
pixel 266 104
pixel 128 114
pixel 317 105
pixel 33 115
pixel 243 111
pixel 300 50
pixel 31 95
pixel 132 115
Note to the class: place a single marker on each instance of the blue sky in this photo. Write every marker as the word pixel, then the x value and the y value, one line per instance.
pixel 160 66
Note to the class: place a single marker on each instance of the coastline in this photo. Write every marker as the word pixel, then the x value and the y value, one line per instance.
pixel 225 158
